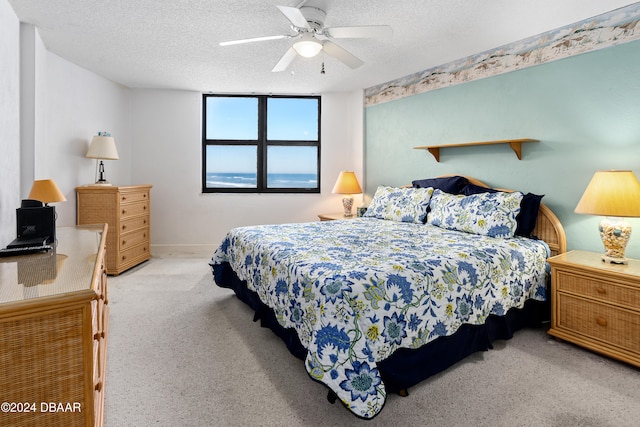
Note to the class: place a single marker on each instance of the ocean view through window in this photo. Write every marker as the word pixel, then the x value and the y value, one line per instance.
pixel 261 144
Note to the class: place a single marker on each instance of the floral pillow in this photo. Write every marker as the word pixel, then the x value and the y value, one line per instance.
pixel 488 214
pixel 400 204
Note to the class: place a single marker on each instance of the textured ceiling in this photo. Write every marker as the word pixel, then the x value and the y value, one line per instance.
pixel 173 44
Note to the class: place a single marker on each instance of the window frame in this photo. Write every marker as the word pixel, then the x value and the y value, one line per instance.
pixel 262 145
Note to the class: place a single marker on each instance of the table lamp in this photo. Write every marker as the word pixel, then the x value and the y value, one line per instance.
pixel 348 185
pixel 614 194
pixel 46 191
pixel 103 147
pixel 35 221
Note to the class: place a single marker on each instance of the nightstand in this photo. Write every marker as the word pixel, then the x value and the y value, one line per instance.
pixel 596 305
pixel 334 216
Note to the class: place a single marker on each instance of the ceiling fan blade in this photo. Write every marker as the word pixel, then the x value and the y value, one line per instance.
pixel 364 31
pixel 341 54
pixel 284 62
pixel 294 15
pixel 254 39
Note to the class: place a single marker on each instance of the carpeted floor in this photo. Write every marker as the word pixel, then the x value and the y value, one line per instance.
pixel 183 352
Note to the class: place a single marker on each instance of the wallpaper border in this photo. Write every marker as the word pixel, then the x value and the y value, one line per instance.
pixel 609 29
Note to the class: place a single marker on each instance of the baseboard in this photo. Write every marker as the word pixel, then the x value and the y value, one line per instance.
pixel 183 250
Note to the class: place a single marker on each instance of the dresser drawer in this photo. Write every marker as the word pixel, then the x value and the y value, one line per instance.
pixel 97 319
pixel 98 404
pixel 607 291
pixel 95 326
pixel 100 353
pixel 134 238
pixel 133 223
pixel 612 325
pixel 103 348
pixel 137 196
pixel 96 376
pixel 132 254
pixel 132 209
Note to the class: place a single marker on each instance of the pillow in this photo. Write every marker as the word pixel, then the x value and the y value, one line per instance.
pixel 470 189
pixel 400 204
pixel 528 215
pixel 448 184
pixel 487 214
pixel 529 208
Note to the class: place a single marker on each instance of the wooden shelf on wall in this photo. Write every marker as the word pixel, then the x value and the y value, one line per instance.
pixel 515 144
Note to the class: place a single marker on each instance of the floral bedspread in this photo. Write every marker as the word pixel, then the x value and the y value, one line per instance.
pixel 357 290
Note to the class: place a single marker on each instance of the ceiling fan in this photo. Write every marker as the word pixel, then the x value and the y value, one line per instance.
pixel 311 36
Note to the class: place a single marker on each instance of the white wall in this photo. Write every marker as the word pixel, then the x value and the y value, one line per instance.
pixel 75 105
pixel 167 154
pixel 9 122
pixel 49 110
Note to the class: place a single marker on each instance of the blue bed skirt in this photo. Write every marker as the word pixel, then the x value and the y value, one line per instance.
pixel 406 367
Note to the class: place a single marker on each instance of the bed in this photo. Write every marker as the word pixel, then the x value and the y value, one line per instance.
pixel 432 273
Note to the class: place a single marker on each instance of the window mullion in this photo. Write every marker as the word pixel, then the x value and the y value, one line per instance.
pixel 262 145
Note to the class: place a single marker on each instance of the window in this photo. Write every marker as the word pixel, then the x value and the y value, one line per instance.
pixel 260 144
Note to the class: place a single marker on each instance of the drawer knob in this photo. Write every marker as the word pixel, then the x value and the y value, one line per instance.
pixel 601 321
pixel 124 242
pixel 124 226
pixel 124 211
pixel 601 290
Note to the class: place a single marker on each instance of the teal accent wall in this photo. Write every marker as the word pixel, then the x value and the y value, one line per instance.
pixel 585 110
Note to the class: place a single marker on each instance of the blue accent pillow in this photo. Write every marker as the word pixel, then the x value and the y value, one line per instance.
pixel 402 204
pixel 529 208
pixel 487 214
pixel 528 216
pixel 470 189
pixel 448 184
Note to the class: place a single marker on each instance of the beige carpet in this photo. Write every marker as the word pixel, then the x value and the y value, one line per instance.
pixel 183 352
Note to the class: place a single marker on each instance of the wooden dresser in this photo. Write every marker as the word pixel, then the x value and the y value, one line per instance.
pixel 54 322
pixel 127 211
pixel 597 305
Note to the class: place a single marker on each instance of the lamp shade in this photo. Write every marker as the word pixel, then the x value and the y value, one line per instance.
pixel 611 193
pixel 347 183
pixel 103 147
pixel 46 191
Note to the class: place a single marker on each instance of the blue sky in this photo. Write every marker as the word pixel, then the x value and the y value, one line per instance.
pixel 288 119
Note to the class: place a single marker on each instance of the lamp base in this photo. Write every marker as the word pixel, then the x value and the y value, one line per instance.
pixel 615 233
pixel 347 204
pixel 101 175
pixel 611 260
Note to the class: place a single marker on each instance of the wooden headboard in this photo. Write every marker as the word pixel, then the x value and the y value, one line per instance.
pixel 548 226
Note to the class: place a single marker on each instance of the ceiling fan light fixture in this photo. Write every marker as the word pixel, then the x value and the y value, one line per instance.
pixel 307 46
pixel 311 37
